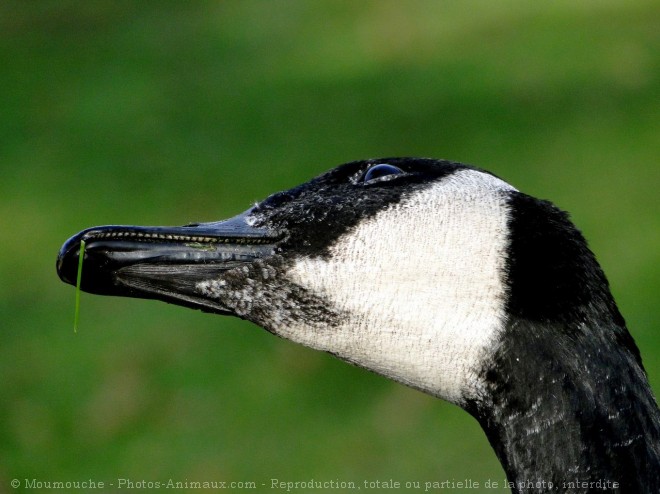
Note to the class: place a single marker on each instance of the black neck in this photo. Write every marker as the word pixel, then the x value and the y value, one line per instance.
pixel 571 406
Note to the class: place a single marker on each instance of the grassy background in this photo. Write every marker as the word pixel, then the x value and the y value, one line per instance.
pixel 171 112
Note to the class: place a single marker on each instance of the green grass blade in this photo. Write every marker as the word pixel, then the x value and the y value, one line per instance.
pixel 81 255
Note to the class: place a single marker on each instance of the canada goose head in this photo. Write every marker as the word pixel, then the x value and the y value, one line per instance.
pixel 435 274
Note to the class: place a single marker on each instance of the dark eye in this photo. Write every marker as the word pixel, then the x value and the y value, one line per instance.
pixel 380 171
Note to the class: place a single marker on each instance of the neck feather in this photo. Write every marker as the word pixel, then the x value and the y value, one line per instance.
pixel 571 406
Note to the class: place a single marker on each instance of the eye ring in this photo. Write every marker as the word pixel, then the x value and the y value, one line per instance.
pixel 380 172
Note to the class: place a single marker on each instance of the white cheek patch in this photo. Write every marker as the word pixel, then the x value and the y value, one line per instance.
pixel 422 282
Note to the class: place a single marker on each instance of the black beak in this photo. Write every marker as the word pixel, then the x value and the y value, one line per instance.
pixel 165 263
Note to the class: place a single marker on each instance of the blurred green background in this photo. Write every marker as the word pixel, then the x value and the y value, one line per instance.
pixel 171 112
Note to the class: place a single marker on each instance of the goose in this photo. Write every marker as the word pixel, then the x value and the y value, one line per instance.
pixel 437 275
